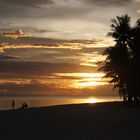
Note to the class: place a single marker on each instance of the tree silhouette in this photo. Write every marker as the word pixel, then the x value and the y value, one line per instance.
pixel 135 60
pixel 122 64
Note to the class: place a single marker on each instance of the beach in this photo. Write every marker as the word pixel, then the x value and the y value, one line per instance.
pixel 98 121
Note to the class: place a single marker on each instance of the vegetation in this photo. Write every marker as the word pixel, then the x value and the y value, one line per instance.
pixel 122 64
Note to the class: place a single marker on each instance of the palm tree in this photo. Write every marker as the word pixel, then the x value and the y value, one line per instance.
pixel 135 39
pixel 135 59
pixel 115 67
pixel 120 29
pixel 117 61
pixel 122 64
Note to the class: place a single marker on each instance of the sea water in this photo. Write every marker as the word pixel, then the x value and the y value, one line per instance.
pixel 38 101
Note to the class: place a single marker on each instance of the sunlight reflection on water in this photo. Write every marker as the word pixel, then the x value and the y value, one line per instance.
pixel 6 103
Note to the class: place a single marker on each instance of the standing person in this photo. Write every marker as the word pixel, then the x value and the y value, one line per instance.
pixel 13 104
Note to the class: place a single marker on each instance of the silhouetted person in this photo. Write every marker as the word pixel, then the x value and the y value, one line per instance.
pixel 13 104
pixel 24 106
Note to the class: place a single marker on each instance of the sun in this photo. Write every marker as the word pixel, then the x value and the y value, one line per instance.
pixel 92 100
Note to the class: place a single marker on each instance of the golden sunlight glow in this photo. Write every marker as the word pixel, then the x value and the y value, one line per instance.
pixel 84 80
pixel 91 100
pixel 91 59
pixel 102 43
pixel 80 84
pixel 91 74
pixel 84 75
pixel 71 46
pixel 88 64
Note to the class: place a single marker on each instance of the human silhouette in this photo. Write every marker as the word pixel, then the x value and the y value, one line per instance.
pixel 24 106
pixel 13 104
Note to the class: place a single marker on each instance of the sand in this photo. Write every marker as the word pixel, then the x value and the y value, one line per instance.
pixel 100 121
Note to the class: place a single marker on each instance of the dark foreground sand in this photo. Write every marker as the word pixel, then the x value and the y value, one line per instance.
pixel 101 121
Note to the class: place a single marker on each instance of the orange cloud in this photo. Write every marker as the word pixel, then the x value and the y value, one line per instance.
pixel 14 34
pixel 137 1
pixel 138 11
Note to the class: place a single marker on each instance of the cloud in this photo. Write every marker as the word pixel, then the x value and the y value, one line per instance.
pixel 14 89
pixel 29 3
pixel 138 11
pixel 37 89
pixel 85 18
pixel 23 8
pixel 39 31
pixel 70 53
pixel 136 1
pixel 26 39
pixel 55 9
pixel 37 69
pixel 5 24
pixel 25 78
pixel 14 34
pixel 7 57
pixel 109 3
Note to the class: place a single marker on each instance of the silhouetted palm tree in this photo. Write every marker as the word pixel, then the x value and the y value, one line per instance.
pixel 122 64
pixel 117 61
pixel 134 45
pixel 135 39
pixel 120 29
pixel 116 67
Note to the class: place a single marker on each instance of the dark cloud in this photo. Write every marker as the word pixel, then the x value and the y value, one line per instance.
pixel 9 27
pixel 89 17
pixel 43 41
pixel 99 50
pixel 58 19
pixel 108 2
pixel 14 34
pixel 37 89
pixel 32 29
pixel 58 9
pixel 31 41
pixel 28 3
pixel 40 31
pixel 22 8
pixel 18 71
pixel 7 57
pixel 65 56
pixel 37 69
pixel 14 89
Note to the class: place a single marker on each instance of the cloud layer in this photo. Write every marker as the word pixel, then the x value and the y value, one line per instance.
pixel 41 40
pixel 29 3
pixel 14 34
pixel 67 19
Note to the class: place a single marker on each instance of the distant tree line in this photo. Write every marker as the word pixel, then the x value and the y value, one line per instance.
pixel 122 64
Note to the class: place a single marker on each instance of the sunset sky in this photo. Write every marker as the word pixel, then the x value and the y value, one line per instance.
pixel 52 47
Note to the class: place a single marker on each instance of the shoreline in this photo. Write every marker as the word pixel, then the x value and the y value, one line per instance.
pixel 6 104
pixel 63 105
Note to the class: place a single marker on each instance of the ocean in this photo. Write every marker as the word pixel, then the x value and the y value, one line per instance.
pixel 38 101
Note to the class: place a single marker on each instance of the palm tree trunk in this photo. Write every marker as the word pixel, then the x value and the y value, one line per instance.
pixel 125 99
